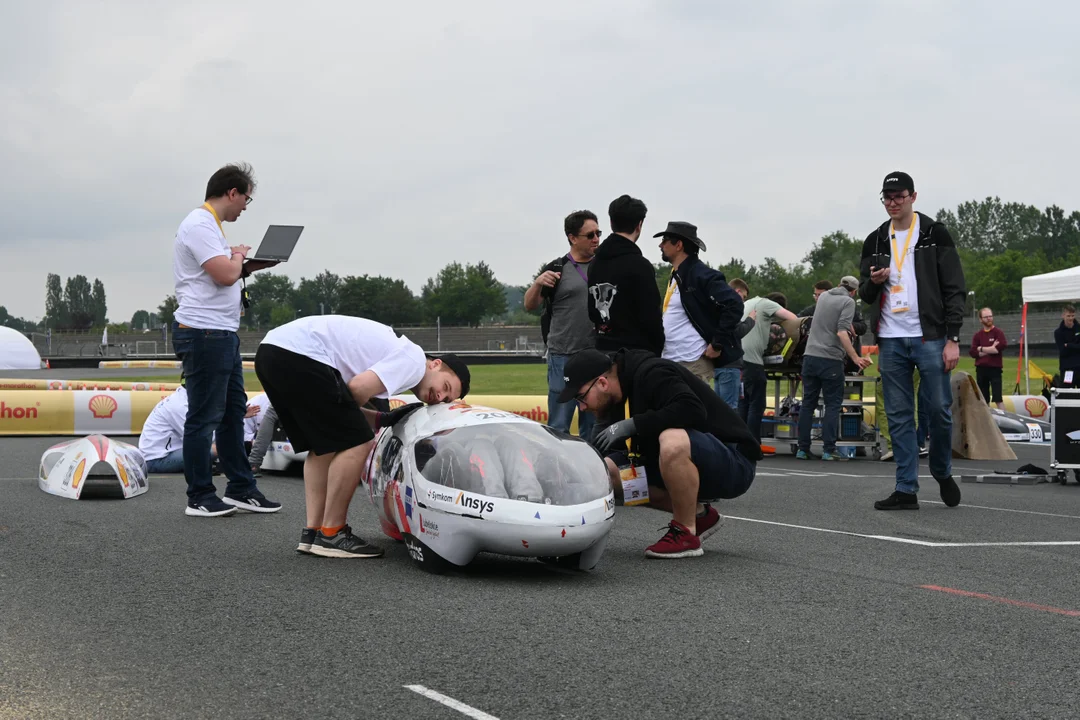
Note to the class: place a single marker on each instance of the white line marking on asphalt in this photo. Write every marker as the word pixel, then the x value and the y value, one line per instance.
pixel 451 703
pixel 1025 512
pixel 910 541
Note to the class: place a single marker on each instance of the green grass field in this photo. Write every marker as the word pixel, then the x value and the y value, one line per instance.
pixel 531 379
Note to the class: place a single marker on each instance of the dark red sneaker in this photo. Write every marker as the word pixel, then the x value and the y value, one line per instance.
pixel 678 542
pixel 708 524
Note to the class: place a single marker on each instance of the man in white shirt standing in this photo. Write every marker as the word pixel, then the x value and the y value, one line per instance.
pixel 207 271
pixel 913 282
pixel 318 373
pixel 701 311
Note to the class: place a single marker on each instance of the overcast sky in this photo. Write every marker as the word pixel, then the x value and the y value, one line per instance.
pixel 406 135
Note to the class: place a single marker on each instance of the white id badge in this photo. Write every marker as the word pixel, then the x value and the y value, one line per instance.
pixel 635 486
pixel 1068 376
pixel 898 299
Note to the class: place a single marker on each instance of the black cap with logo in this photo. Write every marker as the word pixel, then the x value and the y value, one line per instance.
pixel 898 181
pixel 581 368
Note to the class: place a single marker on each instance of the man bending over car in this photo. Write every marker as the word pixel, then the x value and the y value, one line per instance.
pixel 694 447
pixel 318 373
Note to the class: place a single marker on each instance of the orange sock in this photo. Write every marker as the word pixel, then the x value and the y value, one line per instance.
pixel 331 531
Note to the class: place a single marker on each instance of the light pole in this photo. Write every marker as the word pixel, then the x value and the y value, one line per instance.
pixel 974 311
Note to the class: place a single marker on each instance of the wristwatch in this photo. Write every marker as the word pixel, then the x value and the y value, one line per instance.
pixel 955 338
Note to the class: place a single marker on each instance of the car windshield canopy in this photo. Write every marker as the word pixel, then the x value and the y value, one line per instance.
pixel 518 461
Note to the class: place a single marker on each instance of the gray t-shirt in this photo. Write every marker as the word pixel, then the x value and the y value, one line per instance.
pixel 757 339
pixel 835 311
pixel 571 329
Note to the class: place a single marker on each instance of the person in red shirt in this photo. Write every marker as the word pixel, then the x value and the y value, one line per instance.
pixel 987 345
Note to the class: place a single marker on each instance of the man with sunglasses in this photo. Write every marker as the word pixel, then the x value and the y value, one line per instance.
pixel 207 271
pixel 563 288
pixel 913 282
pixel 694 447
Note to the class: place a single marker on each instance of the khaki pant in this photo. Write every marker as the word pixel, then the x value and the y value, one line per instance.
pixel 702 367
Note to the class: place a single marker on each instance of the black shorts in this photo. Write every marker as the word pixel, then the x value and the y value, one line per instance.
pixel 724 473
pixel 313 402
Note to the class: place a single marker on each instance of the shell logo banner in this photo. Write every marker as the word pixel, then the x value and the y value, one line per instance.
pixel 248 364
pixel 78 412
pixel 36 384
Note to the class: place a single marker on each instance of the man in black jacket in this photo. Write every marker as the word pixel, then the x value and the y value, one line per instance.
pixel 701 311
pixel 912 280
pixel 694 447
pixel 1067 337
pixel 624 302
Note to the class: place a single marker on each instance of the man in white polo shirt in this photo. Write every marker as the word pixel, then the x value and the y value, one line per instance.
pixel 207 272
pixel 162 438
pixel 318 373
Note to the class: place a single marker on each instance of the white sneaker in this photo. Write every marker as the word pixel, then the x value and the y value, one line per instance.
pixel 887 456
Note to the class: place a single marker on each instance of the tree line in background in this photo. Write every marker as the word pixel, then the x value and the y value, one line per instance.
pixel 458 295
pixel 999 244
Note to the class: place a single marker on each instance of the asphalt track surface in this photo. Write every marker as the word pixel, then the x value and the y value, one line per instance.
pixel 120 609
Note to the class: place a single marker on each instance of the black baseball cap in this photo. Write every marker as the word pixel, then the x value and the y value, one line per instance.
pixel 583 367
pixel 898 181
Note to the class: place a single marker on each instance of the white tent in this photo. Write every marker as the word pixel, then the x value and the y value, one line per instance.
pixel 16 351
pixel 1060 285
pixel 1057 286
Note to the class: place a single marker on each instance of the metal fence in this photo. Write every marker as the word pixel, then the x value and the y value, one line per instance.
pixel 501 339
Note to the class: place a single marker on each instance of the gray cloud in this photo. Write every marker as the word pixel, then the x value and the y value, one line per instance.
pixel 408 135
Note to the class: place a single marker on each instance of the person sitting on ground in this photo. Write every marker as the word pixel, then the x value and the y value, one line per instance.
pixel 694 447
pixel 161 441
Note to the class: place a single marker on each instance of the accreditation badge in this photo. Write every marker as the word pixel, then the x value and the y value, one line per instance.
pixel 898 299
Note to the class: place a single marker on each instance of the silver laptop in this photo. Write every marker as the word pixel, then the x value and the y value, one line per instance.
pixel 278 243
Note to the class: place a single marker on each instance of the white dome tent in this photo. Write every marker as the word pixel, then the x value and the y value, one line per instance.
pixel 16 351
pixel 1057 286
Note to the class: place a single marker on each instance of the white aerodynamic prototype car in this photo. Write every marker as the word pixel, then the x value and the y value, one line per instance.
pixel 454 480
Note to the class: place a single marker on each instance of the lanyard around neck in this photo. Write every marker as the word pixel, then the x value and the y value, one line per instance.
pixel 900 257
pixel 213 212
pixel 578 268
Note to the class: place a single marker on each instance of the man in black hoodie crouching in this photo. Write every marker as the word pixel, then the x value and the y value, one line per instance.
pixel 694 447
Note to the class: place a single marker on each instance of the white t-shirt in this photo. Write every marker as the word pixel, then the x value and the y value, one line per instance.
pixel 163 430
pixel 202 302
pixel 354 345
pixel 902 324
pixel 251 424
pixel 682 342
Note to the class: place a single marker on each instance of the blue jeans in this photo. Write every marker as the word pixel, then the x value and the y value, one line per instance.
pixel 899 357
pixel 726 383
pixel 821 376
pixel 170 464
pixel 214 375
pixel 560 415
pixel 922 427
pixel 752 403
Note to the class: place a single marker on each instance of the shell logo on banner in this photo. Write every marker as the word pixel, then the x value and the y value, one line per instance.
pixel 102 412
pixel 1035 406
pixel 103 406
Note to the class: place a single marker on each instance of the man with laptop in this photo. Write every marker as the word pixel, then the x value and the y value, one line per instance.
pixel 208 275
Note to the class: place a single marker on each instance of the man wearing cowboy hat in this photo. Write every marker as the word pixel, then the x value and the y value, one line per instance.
pixel 701 311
